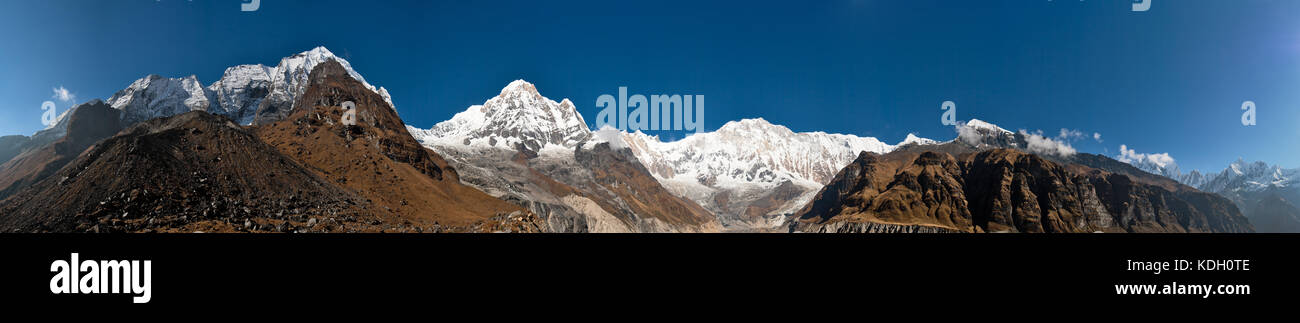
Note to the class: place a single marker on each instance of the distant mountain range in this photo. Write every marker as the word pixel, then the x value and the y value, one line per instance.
pixel 1265 193
pixel 264 149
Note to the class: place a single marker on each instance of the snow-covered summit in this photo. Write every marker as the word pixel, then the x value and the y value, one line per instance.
pixel 981 124
pixel 522 86
pixel 520 115
pixel 913 139
pixel 289 79
pixel 239 94
pixel 1257 176
pixel 742 163
pixel 156 96
pixel 752 160
pixel 241 90
pixel 755 150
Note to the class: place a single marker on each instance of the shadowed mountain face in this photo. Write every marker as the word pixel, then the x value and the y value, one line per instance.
pixel 1273 214
pixel 378 160
pixel 11 146
pixel 88 124
pixel 1002 190
pixel 620 177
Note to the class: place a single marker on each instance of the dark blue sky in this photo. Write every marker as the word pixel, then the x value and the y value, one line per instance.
pixel 1171 79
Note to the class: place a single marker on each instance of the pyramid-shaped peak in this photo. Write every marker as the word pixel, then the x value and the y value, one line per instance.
pixel 319 51
pixel 519 86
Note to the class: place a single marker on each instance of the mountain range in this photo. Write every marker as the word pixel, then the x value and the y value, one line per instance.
pixel 1265 193
pixel 537 153
pixel 307 171
pixel 266 149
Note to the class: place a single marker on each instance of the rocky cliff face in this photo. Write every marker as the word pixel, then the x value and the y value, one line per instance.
pixel 1003 190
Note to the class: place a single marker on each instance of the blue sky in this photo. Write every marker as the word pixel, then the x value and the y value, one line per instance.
pixel 1171 79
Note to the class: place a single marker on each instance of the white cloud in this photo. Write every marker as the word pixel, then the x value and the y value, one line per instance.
pixel 1131 156
pixel 62 94
pixel 1096 136
pixel 969 135
pixel 1040 144
pixel 1070 135
pixel 608 134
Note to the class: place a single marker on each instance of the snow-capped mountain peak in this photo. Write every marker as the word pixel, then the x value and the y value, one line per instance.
pixel 1242 175
pixel 520 115
pixel 520 86
pixel 242 91
pixel 1242 168
pixel 981 124
pixel 155 96
pixel 289 79
pixel 754 126
pixel 1239 176
pixel 744 163
pixel 979 133
pixel 752 160
pixel 913 139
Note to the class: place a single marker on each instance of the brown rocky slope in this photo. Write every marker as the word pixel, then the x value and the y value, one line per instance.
pixel 191 172
pixel 1003 190
pixel 378 160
